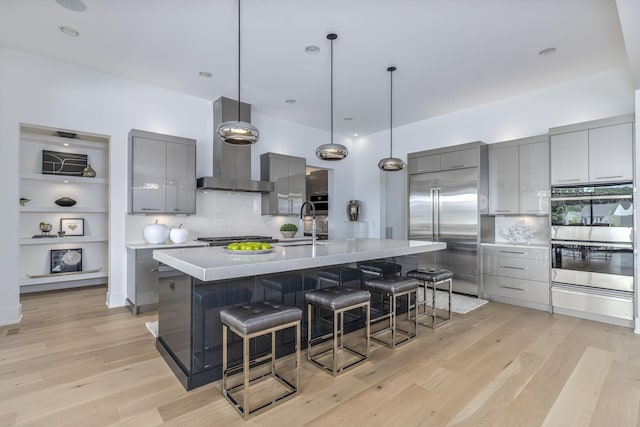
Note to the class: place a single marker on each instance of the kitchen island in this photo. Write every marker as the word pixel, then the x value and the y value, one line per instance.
pixel 209 279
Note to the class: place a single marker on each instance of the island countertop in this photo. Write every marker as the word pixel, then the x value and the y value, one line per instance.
pixel 213 263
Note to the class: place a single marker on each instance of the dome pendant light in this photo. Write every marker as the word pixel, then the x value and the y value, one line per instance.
pixel 391 163
pixel 332 151
pixel 238 132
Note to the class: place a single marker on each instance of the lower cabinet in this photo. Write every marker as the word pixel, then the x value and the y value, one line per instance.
pixel 516 275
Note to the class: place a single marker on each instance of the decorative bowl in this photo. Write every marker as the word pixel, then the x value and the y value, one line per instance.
pixel 65 201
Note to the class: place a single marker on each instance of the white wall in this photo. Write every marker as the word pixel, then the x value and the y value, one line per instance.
pixel 599 96
pixel 40 91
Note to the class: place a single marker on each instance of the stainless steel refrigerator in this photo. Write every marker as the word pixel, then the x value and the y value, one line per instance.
pixel 445 206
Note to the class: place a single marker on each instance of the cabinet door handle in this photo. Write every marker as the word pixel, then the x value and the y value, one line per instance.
pixel 513 252
pixel 503 210
pixel 457 166
pixel 513 268
pixel 609 177
pixel 569 180
pixel 513 287
pixel 149 209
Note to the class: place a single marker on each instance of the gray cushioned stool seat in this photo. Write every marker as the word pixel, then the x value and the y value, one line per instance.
pixel 337 297
pixel 391 285
pixel 341 274
pixel 382 268
pixel 431 274
pixel 258 316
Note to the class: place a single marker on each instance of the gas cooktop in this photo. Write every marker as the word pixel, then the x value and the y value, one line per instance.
pixel 225 240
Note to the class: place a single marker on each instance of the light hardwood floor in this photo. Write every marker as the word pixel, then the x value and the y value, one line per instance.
pixel 72 361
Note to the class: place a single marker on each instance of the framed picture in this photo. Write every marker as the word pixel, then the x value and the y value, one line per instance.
pixel 72 226
pixel 66 260
pixel 56 163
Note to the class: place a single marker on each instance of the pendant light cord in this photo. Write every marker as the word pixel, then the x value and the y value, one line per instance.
pixel 331 90
pixel 238 60
pixel 391 114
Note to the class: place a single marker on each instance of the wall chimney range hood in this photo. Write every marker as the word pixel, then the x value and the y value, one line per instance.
pixel 231 163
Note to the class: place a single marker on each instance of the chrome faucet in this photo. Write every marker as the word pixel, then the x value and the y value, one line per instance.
pixel 313 221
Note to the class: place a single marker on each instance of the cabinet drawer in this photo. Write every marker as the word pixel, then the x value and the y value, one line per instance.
pixel 507 287
pixel 519 268
pixel 516 252
pixel 422 164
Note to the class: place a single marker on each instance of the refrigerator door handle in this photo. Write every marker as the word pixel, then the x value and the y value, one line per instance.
pixel 437 208
pixel 432 192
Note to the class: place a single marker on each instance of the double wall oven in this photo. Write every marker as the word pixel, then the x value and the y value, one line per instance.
pixel 592 251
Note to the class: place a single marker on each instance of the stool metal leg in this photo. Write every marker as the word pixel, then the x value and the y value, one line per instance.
pixel 245 362
pixel 224 357
pixel 336 338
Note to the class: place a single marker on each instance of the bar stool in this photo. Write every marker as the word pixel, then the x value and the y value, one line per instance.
pixel 250 321
pixel 433 277
pixel 339 276
pixel 338 300
pixel 395 287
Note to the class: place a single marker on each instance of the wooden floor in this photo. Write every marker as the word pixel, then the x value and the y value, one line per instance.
pixel 72 361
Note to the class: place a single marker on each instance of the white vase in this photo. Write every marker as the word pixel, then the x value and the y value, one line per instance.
pixel 155 234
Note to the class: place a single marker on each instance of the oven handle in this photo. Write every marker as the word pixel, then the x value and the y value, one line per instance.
pixel 564 199
pixel 596 244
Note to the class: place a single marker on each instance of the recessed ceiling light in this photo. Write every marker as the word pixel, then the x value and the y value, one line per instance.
pixel 75 5
pixel 205 74
pixel 69 31
pixel 348 119
pixel 547 51
pixel 66 144
pixel 312 50
pixel 290 101
pixel 355 134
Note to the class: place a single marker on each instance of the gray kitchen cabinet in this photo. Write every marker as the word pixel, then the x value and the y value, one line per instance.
pixel 503 180
pixel 597 151
pixel 533 177
pixel 288 174
pixel 611 153
pixel 459 159
pixel 516 275
pixel 519 176
pixel 456 159
pixel 570 158
pixel 162 174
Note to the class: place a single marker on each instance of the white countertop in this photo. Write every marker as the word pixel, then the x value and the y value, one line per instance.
pixel 169 245
pixel 213 263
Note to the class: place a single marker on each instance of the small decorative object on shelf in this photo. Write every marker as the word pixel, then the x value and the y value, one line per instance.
pixel 65 201
pixel 519 232
pixel 56 163
pixel 155 234
pixel 72 226
pixel 45 227
pixel 89 172
pixel 66 260
pixel 288 230
pixel 62 233
pixel 353 209
pixel 178 234
pixel 24 201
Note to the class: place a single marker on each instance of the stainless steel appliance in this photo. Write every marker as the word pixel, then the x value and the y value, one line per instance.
pixel 225 240
pixel 592 252
pixel 444 206
pixel 321 202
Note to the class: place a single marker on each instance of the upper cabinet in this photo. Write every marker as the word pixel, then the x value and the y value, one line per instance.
pixel 456 159
pixel 288 173
pixel 519 176
pixel 599 151
pixel 162 174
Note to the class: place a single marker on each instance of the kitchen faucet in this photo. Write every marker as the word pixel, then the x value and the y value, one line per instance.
pixel 313 221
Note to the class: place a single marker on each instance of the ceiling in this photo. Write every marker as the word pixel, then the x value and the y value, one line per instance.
pixel 449 54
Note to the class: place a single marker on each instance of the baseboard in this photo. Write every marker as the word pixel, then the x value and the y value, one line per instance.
pixel 11 315
pixel 116 299
pixel 637 329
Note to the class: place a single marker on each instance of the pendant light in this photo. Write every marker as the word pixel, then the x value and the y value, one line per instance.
pixel 238 132
pixel 332 151
pixel 391 163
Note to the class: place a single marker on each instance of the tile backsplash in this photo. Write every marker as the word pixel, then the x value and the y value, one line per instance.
pixel 522 229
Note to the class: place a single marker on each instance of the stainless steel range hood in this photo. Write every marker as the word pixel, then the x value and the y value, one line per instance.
pixel 231 163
